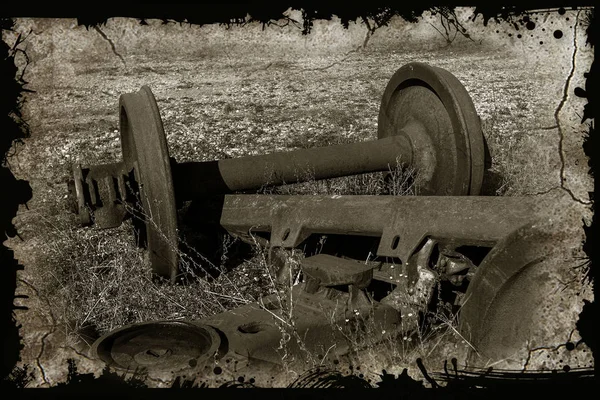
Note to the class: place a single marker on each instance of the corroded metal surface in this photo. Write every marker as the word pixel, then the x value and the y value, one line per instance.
pixel 328 270
pixel 104 191
pixel 402 222
pixel 321 321
pixel 159 345
pixel 140 185
pixel 507 292
pixel 144 145
pixel 446 130
pixel 427 120
pixel 195 179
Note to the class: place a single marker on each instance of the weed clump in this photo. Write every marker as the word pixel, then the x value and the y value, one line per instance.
pixel 397 181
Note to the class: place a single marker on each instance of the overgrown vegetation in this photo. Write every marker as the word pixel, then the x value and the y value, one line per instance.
pixel 99 280
pixel 105 282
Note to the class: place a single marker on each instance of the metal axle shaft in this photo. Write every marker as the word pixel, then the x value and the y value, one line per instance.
pixel 193 179
pixel 102 185
pixel 427 121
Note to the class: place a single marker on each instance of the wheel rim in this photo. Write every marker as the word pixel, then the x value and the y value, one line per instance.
pixel 163 345
pixel 144 147
pixel 446 132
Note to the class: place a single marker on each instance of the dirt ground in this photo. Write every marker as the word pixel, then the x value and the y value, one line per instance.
pixel 244 90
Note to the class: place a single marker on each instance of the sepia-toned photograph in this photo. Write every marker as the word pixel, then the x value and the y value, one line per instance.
pixel 302 200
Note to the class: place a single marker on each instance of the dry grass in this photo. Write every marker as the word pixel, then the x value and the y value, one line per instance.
pixel 397 181
pixel 99 280
pixel 103 280
pixel 365 341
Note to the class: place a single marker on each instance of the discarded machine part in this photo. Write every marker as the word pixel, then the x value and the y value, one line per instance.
pixel 323 315
pixel 506 294
pixel 159 345
pixel 427 119
pixel 340 293
pixel 110 191
pixel 445 128
pixel 402 222
pixel 413 293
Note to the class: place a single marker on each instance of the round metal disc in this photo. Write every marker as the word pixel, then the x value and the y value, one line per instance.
pixel 167 346
pixel 433 109
pixel 505 295
pixel 145 148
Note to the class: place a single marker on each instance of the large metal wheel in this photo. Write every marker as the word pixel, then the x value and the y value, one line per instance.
pixel 145 149
pixel 448 145
pixel 504 308
pixel 161 345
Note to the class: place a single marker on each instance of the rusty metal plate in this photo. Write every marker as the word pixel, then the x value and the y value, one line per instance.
pixel 328 270
pixel 160 345
pixel 255 330
pixel 446 132
pixel 144 143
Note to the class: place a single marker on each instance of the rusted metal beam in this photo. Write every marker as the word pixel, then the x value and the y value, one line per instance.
pixel 521 252
pixel 402 222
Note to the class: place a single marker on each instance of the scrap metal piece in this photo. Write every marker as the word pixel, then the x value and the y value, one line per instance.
pixel 143 142
pixel 449 145
pixel 140 185
pixel 103 193
pixel 196 179
pixel 255 330
pixel 454 266
pixel 508 290
pixel 427 119
pixel 328 270
pixel 324 270
pixel 415 292
pixel 159 346
pixel 402 222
